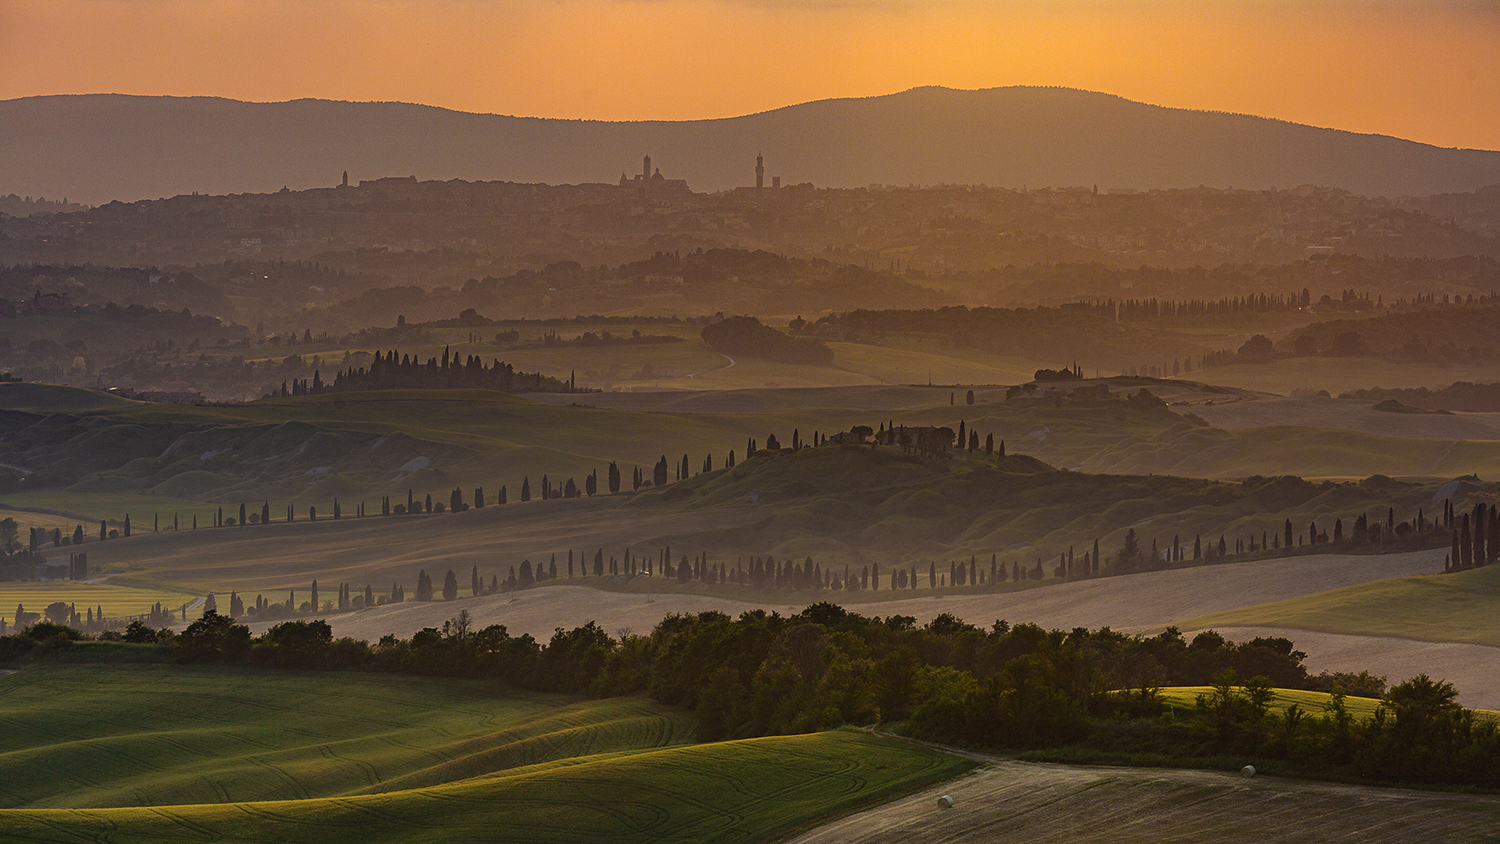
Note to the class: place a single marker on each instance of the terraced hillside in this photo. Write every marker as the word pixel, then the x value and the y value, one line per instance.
pixel 159 753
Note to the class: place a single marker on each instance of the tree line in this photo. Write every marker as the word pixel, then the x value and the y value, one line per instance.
pixel 392 370
pixel 1004 686
pixel 1084 559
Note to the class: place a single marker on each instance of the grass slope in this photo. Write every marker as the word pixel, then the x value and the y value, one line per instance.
pixel 146 735
pixel 54 398
pixel 176 751
pixel 1456 607
pixel 117 601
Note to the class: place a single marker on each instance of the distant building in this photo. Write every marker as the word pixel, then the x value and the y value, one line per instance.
pixel 48 304
pixel 846 438
pixel 652 183
pixel 920 437
pixel 760 179
pixel 1097 390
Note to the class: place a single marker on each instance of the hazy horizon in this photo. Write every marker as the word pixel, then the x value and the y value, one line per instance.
pixel 732 116
pixel 629 421
pixel 1423 71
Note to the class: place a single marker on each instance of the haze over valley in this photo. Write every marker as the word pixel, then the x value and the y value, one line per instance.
pixel 992 458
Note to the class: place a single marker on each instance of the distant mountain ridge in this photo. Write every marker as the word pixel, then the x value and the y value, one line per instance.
pixel 98 147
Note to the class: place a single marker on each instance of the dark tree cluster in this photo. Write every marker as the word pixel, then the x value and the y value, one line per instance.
pixel 1462 396
pixel 394 371
pixel 747 336
pixel 1005 686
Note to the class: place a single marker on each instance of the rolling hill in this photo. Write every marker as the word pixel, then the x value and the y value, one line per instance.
pixel 103 147
pixel 254 755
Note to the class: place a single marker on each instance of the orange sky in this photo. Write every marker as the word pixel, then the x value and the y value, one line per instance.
pixel 1428 70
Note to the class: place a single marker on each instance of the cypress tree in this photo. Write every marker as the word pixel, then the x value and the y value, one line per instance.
pixel 526 488
pixel 265 513
pixel 242 514
pixel 1479 531
pixel 127 524
pixel 474 585
pixel 450 586
pixel 614 477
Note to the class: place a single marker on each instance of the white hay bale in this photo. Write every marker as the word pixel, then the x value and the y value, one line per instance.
pixel 1248 771
pixel 945 801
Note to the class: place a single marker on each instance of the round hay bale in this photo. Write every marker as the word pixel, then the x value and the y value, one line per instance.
pixel 1248 771
pixel 945 801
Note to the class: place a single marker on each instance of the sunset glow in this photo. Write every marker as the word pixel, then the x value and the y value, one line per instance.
pixel 1424 71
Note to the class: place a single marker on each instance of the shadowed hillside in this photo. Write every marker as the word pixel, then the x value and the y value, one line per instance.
pixel 103 147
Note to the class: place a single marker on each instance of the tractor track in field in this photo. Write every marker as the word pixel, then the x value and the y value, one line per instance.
pixel 1039 803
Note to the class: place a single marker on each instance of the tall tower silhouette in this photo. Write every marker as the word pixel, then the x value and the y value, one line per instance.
pixel 760 171
pixel 645 175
